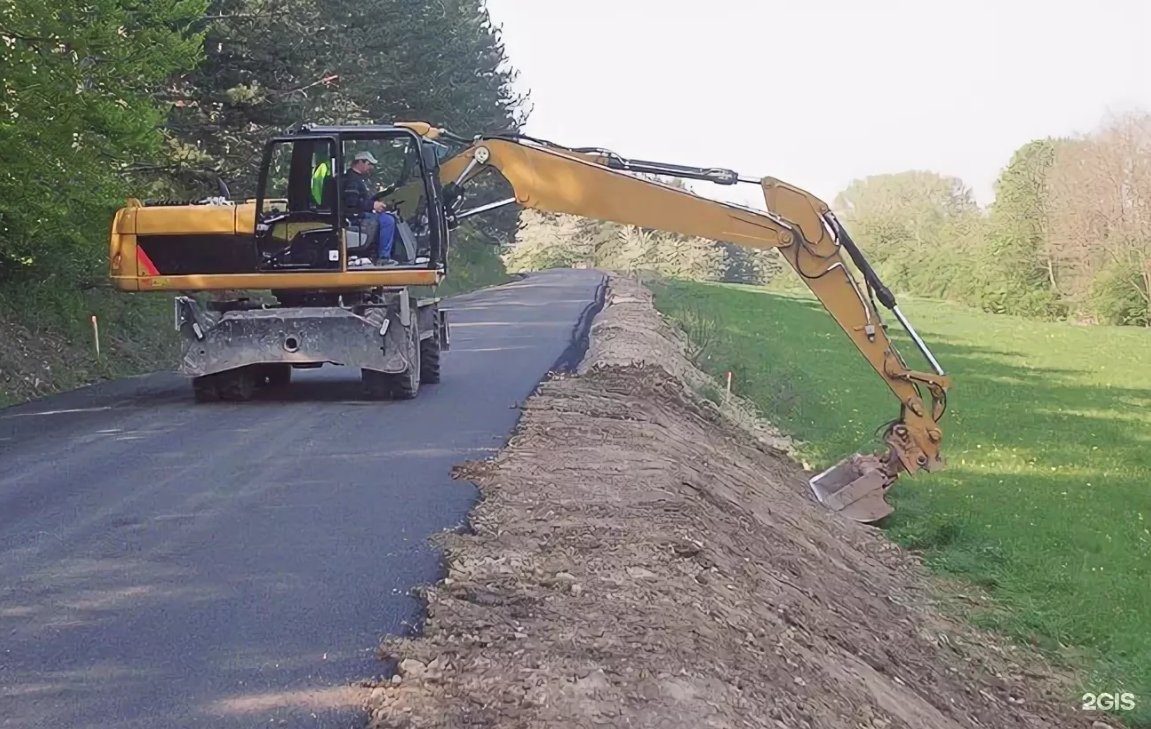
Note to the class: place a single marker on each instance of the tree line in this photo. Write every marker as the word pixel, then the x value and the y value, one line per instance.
pixel 1068 235
pixel 106 99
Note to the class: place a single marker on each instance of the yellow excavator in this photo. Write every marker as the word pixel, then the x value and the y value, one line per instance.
pixel 340 266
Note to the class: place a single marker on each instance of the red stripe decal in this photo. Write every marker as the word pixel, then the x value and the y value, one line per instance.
pixel 145 262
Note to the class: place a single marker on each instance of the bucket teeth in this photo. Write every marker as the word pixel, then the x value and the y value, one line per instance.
pixel 855 488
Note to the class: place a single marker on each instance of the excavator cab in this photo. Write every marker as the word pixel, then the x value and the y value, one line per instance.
pixel 312 213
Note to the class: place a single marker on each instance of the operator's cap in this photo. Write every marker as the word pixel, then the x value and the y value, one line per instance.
pixel 365 157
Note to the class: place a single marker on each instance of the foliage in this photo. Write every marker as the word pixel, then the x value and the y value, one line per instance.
pixel 1099 233
pixel 1043 502
pixel 473 263
pixel 547 240
pixel 1020 277
pixel 76 111
pixel 271 65
pixel 1068 235
pixel 1118 295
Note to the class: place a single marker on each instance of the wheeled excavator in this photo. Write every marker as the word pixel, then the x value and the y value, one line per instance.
pixel 314 244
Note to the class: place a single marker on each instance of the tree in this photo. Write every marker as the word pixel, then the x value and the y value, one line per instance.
pixel 272 65
pixel 547 240
pixel 750 265
pixel 921 230
pixel 76 111
pixel 915 202
pixel 1018 273
pixel 1020 210
pixel 267 65
pixel 1099 219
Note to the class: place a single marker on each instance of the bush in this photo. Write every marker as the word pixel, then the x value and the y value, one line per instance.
pixel 1119 296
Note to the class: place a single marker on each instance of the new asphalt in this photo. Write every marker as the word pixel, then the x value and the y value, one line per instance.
pixel 171 564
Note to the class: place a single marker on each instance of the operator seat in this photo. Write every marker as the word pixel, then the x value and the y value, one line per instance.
pixel 362 235
pixel 363 239
pixel 360 232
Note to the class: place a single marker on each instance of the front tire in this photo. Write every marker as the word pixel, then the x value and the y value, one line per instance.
pixel 397 385
pixel 205 389
pixel 275 375
pixel 237 385
pixel 430 360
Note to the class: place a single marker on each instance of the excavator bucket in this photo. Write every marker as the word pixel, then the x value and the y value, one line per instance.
pixel 855 488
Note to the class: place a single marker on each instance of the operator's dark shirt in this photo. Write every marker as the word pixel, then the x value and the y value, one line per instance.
pixel 357 193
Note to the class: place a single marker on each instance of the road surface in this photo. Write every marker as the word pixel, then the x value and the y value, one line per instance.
pixel 234 565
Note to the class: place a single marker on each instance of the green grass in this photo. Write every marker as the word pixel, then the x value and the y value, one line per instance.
pixel 48 333
pixel 1046 501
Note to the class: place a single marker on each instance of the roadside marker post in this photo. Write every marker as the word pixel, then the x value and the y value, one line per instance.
pixel 96 335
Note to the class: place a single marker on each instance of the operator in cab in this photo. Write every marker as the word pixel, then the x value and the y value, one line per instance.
pixel 376 222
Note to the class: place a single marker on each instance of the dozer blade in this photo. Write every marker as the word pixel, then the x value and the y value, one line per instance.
pixel 855 488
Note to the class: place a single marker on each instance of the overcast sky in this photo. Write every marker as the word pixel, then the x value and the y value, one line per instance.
pixel 819 92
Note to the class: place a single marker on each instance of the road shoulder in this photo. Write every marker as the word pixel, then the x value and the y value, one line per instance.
pixel 642 557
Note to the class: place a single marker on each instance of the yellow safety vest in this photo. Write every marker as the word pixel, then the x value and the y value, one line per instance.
pixel 320 174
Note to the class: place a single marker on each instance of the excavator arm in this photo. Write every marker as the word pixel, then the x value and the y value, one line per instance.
pixel 599 184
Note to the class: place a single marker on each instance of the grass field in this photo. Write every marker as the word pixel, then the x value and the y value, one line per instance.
pixel 1046 501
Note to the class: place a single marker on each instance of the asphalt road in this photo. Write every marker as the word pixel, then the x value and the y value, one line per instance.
pixel 167 564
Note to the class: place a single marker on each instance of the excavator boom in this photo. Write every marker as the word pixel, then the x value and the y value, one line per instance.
pixel 599 184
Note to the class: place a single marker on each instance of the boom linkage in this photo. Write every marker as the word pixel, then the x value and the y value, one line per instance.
pixel 596 183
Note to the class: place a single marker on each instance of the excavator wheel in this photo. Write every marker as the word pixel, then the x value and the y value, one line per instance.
pixel 391 385
pixel 398 385
pixel 274 375
pixel 236 385
pixel 377 385
pixel 430 360
pixel 204 389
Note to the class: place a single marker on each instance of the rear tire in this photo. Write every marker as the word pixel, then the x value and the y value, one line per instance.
pixel 204 389
pixel 430 360
pixel 391 385
pixel 275 375
pixel 237 385
pixel 377 385
pixel 405 385
pixel 397 385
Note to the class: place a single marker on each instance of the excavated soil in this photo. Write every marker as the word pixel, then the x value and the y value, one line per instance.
pixel 642 558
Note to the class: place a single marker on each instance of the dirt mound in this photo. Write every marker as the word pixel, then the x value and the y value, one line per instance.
pixel 640 558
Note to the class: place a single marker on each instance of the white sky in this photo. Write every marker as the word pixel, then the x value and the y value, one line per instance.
pixel 819 92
